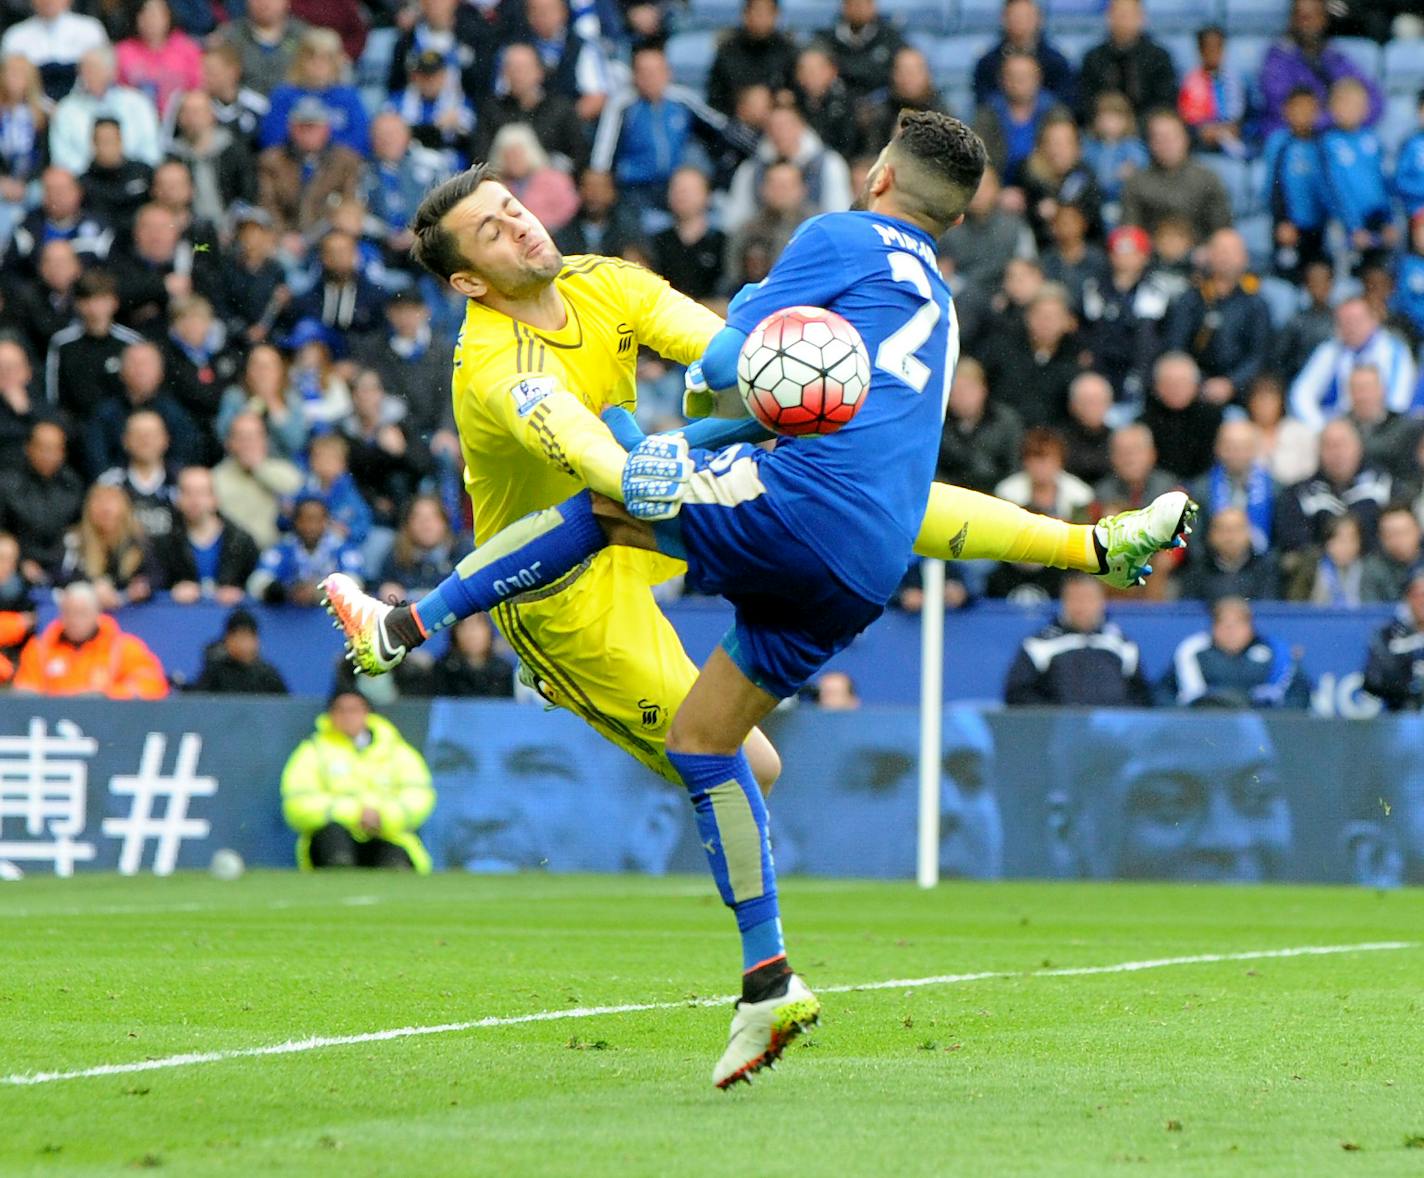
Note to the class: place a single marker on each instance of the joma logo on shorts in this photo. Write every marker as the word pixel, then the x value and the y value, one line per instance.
pixel 523 579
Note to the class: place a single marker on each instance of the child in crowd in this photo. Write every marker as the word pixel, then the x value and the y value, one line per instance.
pixel 1172 244
pixel 1296 188
pixel 1212 100
pixel 1354 169
pixel 1113 151
pixel 329 479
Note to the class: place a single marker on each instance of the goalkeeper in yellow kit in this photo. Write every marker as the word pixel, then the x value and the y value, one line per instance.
pixel 548 343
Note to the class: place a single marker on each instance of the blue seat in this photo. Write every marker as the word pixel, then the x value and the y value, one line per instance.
pixel 374 66
pixel 1183 48
pixel 1245 55
pixel 976 16
pixel 1075 46
pixel 808 16
pixel 1257 231
pixel 1399 122
pixel 690 55
pixel 1062 16
pixel 712 14
pixel 1179 16
pixel 1260 17
pixel 1236 177
pixel 1363 52
pixel 960 101
pixel 1282 300
pixel 952 59
pixel 930 16
pixel 1404 67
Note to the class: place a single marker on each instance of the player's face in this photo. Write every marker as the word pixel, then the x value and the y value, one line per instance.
pixel 505 246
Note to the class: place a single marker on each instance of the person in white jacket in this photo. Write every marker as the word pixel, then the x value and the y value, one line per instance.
pixel 71 133
pixel 54 39
pixel 824 172
pixel 1322 389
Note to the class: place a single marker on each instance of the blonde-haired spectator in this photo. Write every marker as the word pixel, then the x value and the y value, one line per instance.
pixel 319 70
pixel 523 164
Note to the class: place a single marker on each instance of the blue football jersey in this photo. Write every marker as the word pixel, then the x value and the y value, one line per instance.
pixel 857 496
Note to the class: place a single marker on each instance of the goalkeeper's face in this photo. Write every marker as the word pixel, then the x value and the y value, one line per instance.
pixel 506 248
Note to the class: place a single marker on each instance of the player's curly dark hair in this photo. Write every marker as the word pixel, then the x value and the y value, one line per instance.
pixel 435 246
pixel 947 161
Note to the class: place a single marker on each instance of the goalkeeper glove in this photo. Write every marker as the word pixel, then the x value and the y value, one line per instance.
pixel 655 477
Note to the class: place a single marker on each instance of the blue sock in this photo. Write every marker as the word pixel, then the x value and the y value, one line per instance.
pixel 529 554
pixel 732 824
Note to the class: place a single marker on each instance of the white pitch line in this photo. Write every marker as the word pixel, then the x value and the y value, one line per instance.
pixel 317 1042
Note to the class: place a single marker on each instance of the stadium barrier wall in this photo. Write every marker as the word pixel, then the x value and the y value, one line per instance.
pixel 980 642
pixel 1199 795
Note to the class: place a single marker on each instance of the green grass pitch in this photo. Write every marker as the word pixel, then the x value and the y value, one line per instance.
pixel 1307 1065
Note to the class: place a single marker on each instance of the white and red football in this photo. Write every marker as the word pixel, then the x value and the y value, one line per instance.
pixel 804 370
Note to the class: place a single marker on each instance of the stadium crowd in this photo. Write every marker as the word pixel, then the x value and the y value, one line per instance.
pixel 221 376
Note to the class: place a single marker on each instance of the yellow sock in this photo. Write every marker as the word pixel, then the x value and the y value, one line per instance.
pixel 960 524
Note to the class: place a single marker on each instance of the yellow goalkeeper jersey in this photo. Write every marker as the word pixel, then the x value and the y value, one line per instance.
pixel 525 447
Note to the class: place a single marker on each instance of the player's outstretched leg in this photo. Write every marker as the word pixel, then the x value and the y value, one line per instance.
pixel 530 553
pixel 776 1004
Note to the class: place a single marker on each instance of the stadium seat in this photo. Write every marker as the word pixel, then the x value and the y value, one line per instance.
pixel 1257 230
pixel 1236 176
pixel 1179 16
pixel 807 16
pixel 930 16
pixel 1400 121
pixel 976 16
pixel 1065 15
pixel 1075 46
pixel 1245 55
pixel 1282 300
pixel 1258 17
pixel 952 59
pixel 1183 48
pixel 690 56
pixel 1362 51
pixel 712 14
pixel 1404 67
pixel 960 101
pixel 374 67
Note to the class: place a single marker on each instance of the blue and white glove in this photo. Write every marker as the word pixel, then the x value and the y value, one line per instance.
pixel 655 477
pixel 697 398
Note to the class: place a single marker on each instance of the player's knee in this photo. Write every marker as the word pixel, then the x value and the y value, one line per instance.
pixel 687 737
pixel 765 762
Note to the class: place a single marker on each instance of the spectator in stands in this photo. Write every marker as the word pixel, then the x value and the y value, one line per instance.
pixel 605 224
pixel 1123 316
pixel 1228 564
pixel 1042 485
pixel 1129 62
pixel 1394 668
pixel 1390 439
pixel 1389 569
pixel 252 290
pixel 1355 188
pixel 1297 186
pixel 1055 176
pixel 198 365
pixel 1222 322
pixel 204 557
pixel 1331 573
pixel 1321 390
pixel 1031 372
pixel 1080 659
pixel 219 161
pixel 264 390
pixel 470 668
pixel 39 500
pixel 1303 58
pixel 292 569
pixel 824 175
pixel 239 108
pixel 159 60
pixel 1232 665
pixel 1289 448
pixel 457 32
pixel 755 51
pixel 574 64
pixel 83 652
pixel 1182 421
pixel 71 133
pixel 156 268
pixel 1022 23
pixel 1072 261
pixel 108 549
pixel 1239 478
pixel 980 446
pixel 316 74
pixel 981 247
pixel 53 40
pixel 24 125
pixel 912 88
pixel 61 216
pixel 145 478
pixel 267 39
pixel 1310 326
pixel 825 103
pixel 1344 485
pixel 689 252
pixel 141 375
pixel 329 481
pixel 526 99
pixel 325 395
pixel 399 174
pixel 863 46
pixel 1212 100
pixel 298 180
pixel 114 187
pixel 783 208
pixel 82 367
pixel 1008 122
pixel 387 459
pixel 1113 150
pixel 834 691
pixel 234 664
pixel 1376 273
pixel 20 407
pixel 250 483
pixel 356 793
pixel 1409 294
pixel 426 549
pixel 1086 433
pixel 342 299
pixel 1135 478
pixel 434 107
pixel 524 166
pixel 1409 171
pixel 1174 183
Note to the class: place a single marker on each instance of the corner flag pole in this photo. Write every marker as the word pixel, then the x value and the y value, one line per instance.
pixel 931 720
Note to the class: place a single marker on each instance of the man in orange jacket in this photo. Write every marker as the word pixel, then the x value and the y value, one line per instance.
pixel 83 652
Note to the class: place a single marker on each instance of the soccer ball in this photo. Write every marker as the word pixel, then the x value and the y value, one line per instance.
pixel 804 370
